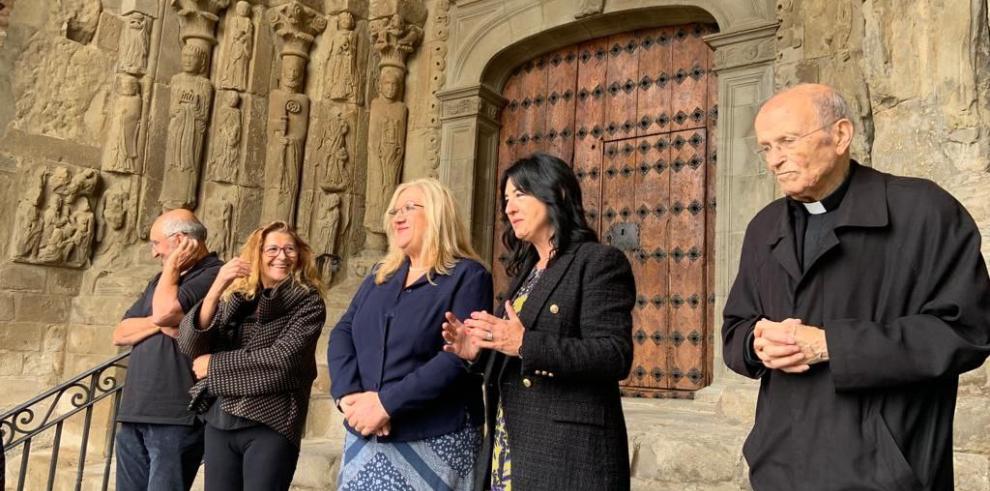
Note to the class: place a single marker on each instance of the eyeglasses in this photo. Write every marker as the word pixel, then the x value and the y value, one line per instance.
pixel 787 143
pixel 154 243
pixel 272 251
pixel 405 209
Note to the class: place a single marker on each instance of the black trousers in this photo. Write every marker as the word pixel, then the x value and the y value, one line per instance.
pixel 249 459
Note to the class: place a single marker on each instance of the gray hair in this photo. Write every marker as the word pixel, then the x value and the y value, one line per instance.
pixel 192 228
pixel 832 107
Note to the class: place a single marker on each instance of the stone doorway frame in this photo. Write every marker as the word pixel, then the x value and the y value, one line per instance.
pixel 488 38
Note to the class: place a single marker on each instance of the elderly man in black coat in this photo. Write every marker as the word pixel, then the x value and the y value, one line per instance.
pixel 861 296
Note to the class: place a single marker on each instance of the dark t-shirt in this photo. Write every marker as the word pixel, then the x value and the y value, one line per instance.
pixel 158 375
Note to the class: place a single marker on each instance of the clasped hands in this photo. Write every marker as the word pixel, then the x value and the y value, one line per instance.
pixel 365 413
pixel 789 345
pixel 482 330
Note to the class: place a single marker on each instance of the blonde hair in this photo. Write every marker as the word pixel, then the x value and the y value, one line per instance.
pixel 445 239
pixel 303 271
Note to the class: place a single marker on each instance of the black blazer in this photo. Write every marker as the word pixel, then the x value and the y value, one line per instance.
pixel 561 399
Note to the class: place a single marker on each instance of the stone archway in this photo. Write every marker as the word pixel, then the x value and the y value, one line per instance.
pixel 488 38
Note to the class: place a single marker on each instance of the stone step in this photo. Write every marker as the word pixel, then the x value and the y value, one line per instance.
pixel 670 448
pixel 319 463
pixel 323 420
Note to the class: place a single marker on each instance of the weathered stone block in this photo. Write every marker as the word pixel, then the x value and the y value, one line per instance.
pixel 411 11
pixel 6 306
pixel 737 403
pixel 972 472
pixel 43 364
pixel 73 108
pixel 22 277
pixel 322 383
pixel 22 336
pixel 100 309
pixel 11 362
pixel 108 33
pixel 324 420
pixel 146 7
pixel 357 7
pixel 319 463
pixel 54 340
pixel 93 340
pixel 42 308
pixel 972 424
pixel 64 281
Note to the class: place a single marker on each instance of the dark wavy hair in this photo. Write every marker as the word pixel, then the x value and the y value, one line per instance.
pixel 550 180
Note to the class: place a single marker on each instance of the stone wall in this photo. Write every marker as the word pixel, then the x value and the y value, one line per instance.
pixel 89 90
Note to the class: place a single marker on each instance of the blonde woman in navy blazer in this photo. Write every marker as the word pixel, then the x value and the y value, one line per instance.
pixel 413 412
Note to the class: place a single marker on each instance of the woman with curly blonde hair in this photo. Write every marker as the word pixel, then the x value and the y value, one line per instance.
pixel 413 412
pixel 252 340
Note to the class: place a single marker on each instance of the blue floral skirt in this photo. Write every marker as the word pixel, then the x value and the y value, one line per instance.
pixel 444 462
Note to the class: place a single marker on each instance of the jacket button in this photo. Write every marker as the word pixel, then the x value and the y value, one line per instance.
pixel 527 383
pixel 554 309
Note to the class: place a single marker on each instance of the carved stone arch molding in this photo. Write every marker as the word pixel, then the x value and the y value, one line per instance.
pixel 489 38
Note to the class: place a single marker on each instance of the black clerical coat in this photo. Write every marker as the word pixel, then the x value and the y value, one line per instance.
pixel 902 292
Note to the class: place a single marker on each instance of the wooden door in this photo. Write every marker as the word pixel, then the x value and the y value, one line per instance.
pixel 634 114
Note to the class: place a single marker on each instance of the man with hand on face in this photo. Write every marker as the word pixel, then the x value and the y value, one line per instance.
pixel 860 298
pixel 160 442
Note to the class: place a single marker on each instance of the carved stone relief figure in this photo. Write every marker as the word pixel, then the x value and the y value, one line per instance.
pixel 134 43
pixel 83 226
pixel 226 146
pixel 295 26
pixel 57 231
pixel 386 140
pixel 394 38
pixel 288 121
pixel 333 147
pixel 29 228
pixel 221 218
pixel 83 183
pixel 393 34
pixel 238 42
pixel 191 95
pixel 326 236
pixel 63 234
pixel 340 83
pixel 55 219
pixel 111 232
pixel 121 151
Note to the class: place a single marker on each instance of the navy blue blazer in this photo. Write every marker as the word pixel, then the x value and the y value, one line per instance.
pixel 389 341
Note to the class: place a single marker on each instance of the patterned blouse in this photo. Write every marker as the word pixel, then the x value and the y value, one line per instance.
pixel 501 462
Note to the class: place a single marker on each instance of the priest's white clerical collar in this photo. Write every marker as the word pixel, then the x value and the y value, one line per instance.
pixel 816 208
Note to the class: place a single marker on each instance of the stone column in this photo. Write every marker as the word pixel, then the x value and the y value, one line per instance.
pixel 295 26
pixel 744 63
pixel 396 30
pixel 190 99
pixel 469 135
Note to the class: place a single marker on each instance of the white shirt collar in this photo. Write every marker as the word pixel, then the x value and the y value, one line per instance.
pixel 816 208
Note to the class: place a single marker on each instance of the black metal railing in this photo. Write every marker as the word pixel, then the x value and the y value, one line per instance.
pixel 22 425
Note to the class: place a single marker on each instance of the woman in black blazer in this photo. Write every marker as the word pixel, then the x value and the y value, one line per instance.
pixel 552 355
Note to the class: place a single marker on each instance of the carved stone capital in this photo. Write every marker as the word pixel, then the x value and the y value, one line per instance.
pixel 744 48
pixel 296 26
pixel 198 18
pixel 476 101
pixel 396 30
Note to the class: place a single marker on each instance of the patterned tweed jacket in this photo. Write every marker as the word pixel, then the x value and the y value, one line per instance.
pixel 269 377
